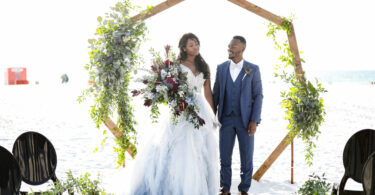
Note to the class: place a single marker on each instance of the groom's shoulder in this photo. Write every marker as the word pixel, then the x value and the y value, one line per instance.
pixel 223 64
pixel 252 65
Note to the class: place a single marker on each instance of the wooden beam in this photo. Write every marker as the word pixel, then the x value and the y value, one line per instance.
pixel 157 9
pixel 274 155
pixel 117 133
pixel 259 11
pixel 277 20
pixel 297 60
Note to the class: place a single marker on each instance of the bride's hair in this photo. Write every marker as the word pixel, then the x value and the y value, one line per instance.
pixel 200 64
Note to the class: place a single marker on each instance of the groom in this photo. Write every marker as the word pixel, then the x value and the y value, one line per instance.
pixel 238 100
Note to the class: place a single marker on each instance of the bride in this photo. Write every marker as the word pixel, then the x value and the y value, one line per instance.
pixel 184 160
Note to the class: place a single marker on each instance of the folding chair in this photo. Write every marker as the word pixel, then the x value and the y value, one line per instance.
pixel 10 174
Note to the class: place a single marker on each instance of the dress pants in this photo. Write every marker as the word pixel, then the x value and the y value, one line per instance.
pixel 231 126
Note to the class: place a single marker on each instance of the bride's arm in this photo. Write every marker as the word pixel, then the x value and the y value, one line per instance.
pixel 208 93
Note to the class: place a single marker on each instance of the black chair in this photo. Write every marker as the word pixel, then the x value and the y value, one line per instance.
pixel 368 175
pixel 36 157
pixel 10 174
pixel 356 152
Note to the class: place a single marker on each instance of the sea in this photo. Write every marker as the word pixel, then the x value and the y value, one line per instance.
pixel 343 76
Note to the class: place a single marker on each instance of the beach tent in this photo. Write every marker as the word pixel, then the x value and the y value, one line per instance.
pixel 16 76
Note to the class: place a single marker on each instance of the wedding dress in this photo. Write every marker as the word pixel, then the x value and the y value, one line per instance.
pixel 183 160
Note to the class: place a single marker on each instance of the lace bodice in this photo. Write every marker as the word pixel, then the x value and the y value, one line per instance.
pixel 194 81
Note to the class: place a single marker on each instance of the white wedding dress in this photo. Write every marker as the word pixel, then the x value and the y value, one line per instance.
pixel 183 160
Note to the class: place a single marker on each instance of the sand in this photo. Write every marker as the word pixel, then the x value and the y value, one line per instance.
pixel 52 109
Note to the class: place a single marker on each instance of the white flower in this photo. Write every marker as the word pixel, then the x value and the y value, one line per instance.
pixel 181 93
pixel 163 74
pixel 150 96
pixel 175 71
pixel 158 88
pixel 164 88
pixel 174 103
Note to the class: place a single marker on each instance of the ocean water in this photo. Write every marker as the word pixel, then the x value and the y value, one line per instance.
pixel 343 76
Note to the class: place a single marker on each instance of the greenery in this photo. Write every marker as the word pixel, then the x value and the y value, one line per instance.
pixel 113 57
pixel 303 104
pixel 315 186
pixel 81 185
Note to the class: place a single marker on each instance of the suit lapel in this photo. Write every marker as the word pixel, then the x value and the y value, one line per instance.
pixel 224 76
pixel 245 77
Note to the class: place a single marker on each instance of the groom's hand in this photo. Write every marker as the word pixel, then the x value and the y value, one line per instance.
pixel 252 128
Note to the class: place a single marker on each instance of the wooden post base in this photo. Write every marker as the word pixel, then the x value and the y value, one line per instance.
pixel 273 156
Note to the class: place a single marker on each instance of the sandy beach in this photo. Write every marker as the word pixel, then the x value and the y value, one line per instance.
pixel 53 111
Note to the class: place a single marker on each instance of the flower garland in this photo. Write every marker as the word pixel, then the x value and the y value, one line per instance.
pixel 113 57
pixel 303 103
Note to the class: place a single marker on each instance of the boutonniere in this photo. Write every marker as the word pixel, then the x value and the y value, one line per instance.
pixel 247 72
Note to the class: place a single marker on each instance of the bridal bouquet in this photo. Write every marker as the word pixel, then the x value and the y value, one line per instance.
pixel 167 84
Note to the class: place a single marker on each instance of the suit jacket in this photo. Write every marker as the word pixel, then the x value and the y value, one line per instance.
pixel 251 92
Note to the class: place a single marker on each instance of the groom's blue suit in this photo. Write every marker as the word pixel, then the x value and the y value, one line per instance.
pixel 237 103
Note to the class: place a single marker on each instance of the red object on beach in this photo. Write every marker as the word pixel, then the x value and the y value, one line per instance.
pixel 16 76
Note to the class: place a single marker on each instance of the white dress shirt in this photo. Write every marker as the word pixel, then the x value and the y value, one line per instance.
pixel 235 69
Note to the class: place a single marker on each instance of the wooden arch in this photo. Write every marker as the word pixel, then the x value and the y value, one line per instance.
pixel 262 13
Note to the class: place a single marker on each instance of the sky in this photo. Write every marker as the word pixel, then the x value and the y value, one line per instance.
pixel 49 37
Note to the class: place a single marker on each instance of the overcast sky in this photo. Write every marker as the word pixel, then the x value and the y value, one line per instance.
pixel 49 37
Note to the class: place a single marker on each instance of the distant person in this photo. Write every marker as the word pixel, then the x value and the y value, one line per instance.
pixel 64 78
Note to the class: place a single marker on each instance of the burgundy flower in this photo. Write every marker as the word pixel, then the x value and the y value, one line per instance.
pixel 170 80
pixel 148 102
pixel 168 63
pixel 248 70
pixel 175 87
pixel 135 92
pixel 177 113
pixel 183 105
pixel 145 81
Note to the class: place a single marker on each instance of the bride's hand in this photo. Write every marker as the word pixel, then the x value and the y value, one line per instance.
pixel 216 124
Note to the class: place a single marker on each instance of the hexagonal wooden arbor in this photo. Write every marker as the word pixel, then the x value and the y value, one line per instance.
pixel 262 13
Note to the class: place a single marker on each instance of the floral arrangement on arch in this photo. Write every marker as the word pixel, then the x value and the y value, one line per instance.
pixel 167 84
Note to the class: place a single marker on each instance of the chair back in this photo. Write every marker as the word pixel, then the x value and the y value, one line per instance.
pixel 36 157
pixel 357 150
pixel 368 176
pixel 10 174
